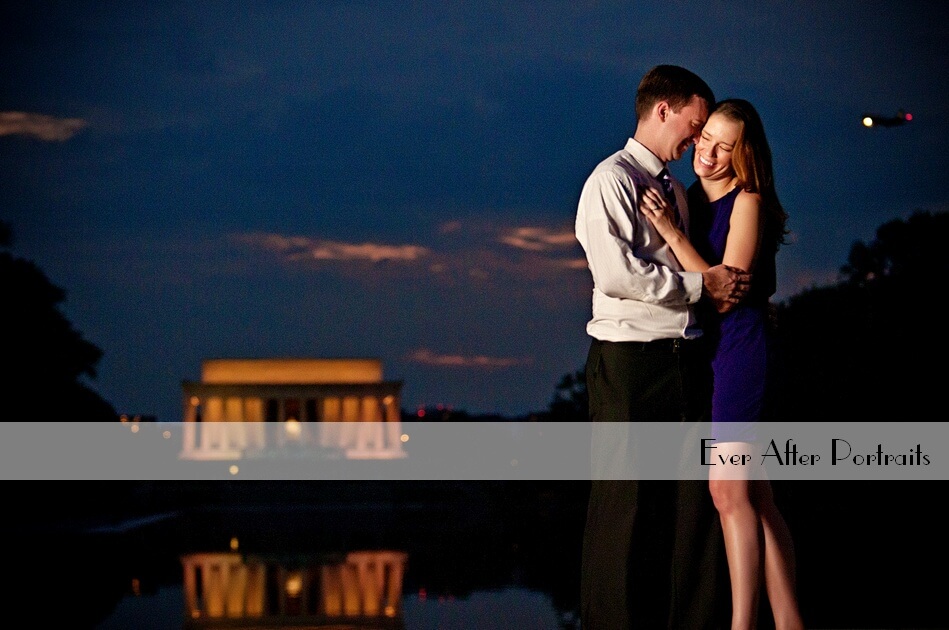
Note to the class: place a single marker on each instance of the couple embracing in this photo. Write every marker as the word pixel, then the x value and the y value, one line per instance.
pixel 680 331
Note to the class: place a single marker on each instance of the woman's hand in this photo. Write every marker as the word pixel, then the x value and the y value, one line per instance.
pixel 653 204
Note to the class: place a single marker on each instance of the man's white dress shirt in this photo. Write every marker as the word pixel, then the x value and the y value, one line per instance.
pixel 640 292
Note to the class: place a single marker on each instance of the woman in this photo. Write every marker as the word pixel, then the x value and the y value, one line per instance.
pixel 737 220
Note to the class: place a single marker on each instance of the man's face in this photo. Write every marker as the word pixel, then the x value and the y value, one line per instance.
pixel 680 129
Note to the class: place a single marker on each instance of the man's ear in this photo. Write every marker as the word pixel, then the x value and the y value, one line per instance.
pixel 662 110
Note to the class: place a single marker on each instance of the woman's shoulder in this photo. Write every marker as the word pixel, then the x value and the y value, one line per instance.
pixel 747 200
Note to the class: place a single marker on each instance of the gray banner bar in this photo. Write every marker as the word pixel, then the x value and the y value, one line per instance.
pixel 468 451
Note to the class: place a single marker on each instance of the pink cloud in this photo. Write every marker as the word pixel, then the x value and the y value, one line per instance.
pixel 538 239
pixel 427 357
pixel 39 126
pixel 450 227
pixel 301 248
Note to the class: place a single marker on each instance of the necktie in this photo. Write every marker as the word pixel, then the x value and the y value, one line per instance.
pixel 666 180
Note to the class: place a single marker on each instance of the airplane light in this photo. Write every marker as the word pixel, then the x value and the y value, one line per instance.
pixel 876 120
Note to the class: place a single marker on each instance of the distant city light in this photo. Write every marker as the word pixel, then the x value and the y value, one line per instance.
pixel 235 544
pixel 234 469
pixel 134 428
pixel 908 116
pixel 404 437
pixel 867 121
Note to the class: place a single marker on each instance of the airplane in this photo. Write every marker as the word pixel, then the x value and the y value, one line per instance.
pixel 875 120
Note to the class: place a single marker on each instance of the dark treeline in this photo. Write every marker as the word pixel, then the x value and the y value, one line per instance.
pixel 44 359
pixel 871 347
pixel 868 348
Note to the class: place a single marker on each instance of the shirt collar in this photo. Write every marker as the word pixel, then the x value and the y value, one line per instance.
pixel 644 156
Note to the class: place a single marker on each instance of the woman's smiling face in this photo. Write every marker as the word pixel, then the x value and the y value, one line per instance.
pixel 713 151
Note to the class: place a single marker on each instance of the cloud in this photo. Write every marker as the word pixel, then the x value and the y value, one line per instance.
pixel 527 251
pixel 573 263
pixel 450 227
pixel 537 262
pixel 538 239
pixel 40 126
pixel 427 357
pixel 302 248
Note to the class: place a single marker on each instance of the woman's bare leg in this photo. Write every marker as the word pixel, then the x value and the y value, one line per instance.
pixel 731 493
pixel 779 566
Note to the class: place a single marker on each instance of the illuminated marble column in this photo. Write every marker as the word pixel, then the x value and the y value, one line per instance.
pixel 234 585
pixel 393 425
pixel 189 436
pixel 213 592
pixel 332 591
pixel 332 416
pixel 378 595
pixel 210 429
pixel 395 562
pixel 349 580
pixel 235 436
pixel 256 590
pixel 369 579
pixel 351 409
pixel 190 587
pixel 332 409
pixel 254 414
pixel 393 414
pixel 367 440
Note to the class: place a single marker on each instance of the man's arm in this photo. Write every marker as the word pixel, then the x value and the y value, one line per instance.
pixel 609 235
pixel 725 286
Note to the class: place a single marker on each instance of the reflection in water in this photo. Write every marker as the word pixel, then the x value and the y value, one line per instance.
pixel 466 555
pixel 362 589
pixel 266 555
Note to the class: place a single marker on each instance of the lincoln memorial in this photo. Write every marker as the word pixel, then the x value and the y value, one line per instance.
pixel 245 408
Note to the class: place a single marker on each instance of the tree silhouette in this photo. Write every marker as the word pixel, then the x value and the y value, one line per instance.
pixel 858 350
pixel 44 357
pixel 906 250
pixel 570 401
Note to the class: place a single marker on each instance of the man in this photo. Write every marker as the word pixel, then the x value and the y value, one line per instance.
pixel 651 549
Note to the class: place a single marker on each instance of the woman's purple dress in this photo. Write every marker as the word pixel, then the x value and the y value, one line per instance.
pixel 740 339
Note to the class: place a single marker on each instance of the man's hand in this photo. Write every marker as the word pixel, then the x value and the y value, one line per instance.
pixel 725 286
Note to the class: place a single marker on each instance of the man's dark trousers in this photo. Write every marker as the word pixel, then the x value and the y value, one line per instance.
pixel 652 549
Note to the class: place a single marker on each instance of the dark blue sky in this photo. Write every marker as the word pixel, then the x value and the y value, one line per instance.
pixel 399 180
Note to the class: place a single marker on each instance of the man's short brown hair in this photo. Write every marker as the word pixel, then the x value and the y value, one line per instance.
pixel 672 84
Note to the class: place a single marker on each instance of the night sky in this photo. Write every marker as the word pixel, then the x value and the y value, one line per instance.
pixel 399 180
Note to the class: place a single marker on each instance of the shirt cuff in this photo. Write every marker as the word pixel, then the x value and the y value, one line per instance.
pixel 692 281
